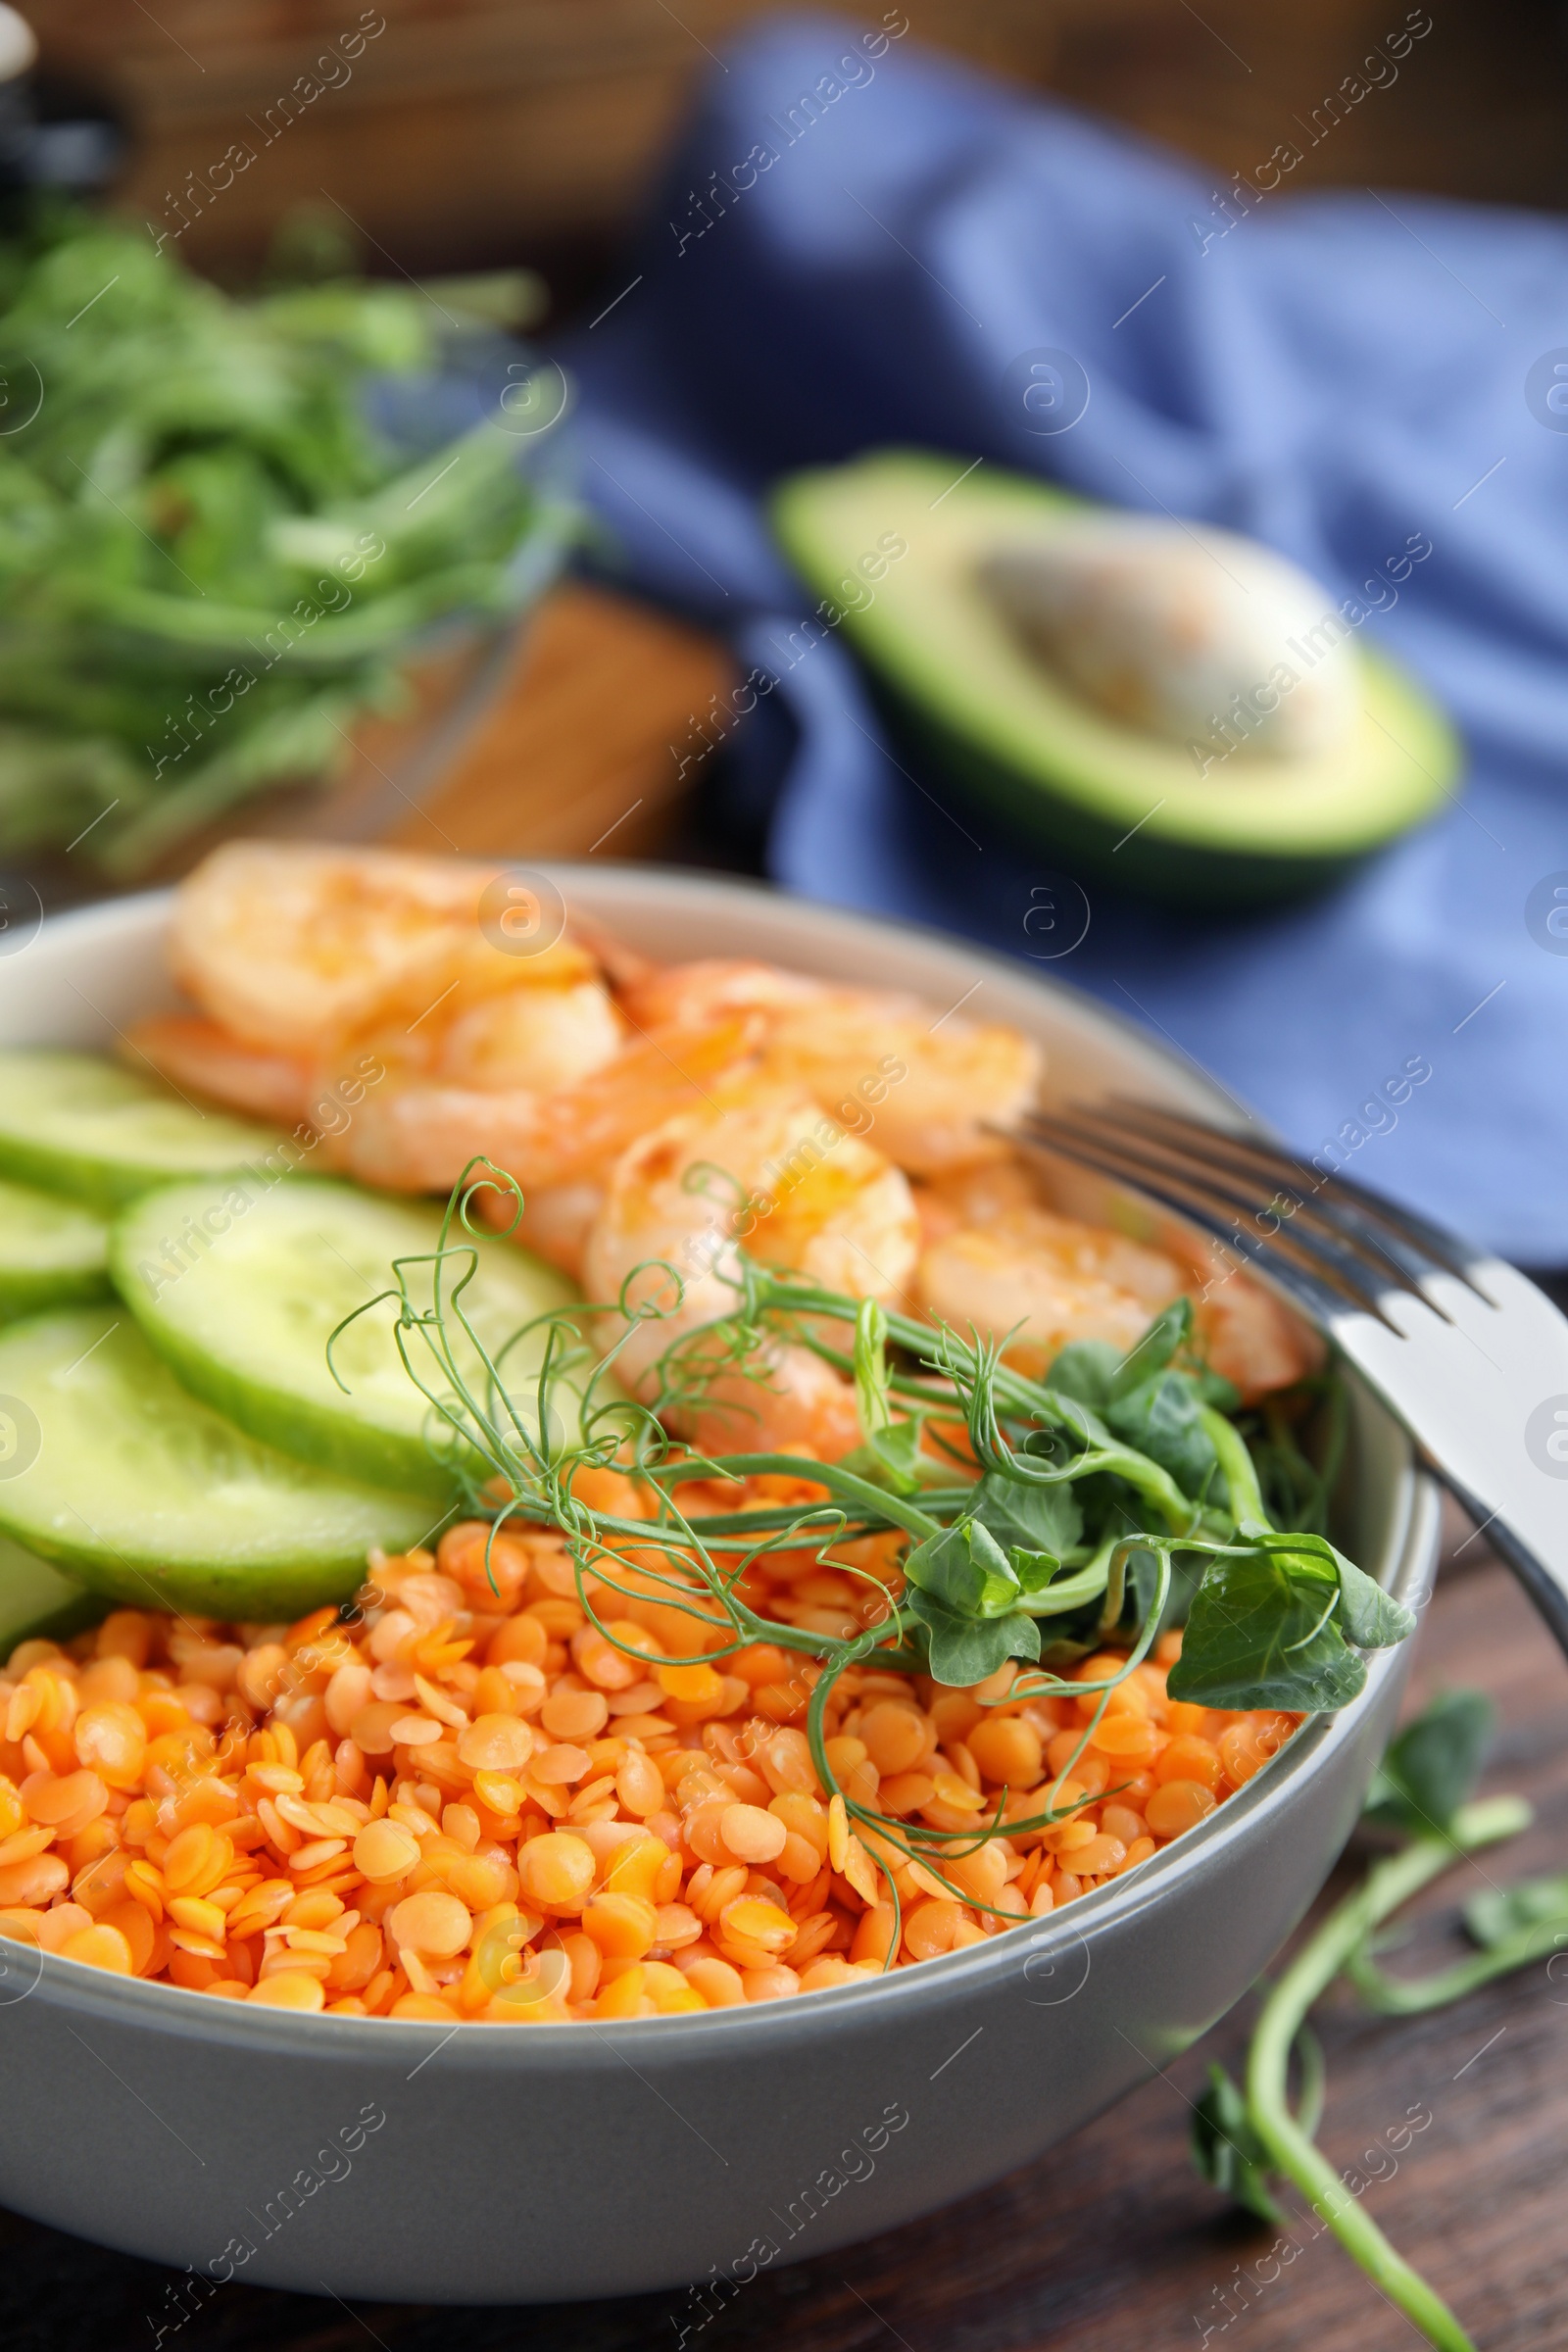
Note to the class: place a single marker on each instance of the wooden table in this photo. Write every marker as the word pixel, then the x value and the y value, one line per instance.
pixel 469 133
pixel 1111 2243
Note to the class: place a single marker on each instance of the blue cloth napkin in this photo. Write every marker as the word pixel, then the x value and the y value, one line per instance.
pixel 1333 374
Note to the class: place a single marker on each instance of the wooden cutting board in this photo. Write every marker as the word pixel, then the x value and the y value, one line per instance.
pixel 582 749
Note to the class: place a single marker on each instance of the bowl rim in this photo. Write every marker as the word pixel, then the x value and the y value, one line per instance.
pixel 934 1983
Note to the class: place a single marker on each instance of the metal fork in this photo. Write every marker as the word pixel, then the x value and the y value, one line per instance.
pixel 1466 1352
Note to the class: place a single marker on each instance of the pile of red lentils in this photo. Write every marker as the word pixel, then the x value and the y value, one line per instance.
pixel 465 1801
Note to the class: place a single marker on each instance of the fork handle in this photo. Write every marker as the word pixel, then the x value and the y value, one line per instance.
pixel 1479 1376
pixel 1548 1587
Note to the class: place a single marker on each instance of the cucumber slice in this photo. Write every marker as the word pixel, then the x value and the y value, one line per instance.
pixel 110 1468
pixel 245 1320
pixel 78 1125
pixel 37 1603
pixel 52 1253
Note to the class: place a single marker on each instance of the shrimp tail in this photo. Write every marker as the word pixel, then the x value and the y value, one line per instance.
pixel 199 1055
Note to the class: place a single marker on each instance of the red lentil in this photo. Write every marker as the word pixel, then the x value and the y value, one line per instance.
pixel 470 1805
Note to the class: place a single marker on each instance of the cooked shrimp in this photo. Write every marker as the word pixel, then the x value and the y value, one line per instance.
pixel 930 1085
pixel 418 1137
pixel 766 1171
pixel 415 1133
pixel 947 1082
pixel 709 989
pixel 976 1196
pixel 430 1111
pixel 474 1088
pixel 295 948
pixel 1249 1337
pixel 400 1131
pixel 555 1223
pixel 577 1135
pixel 533 1037
pixel 407 1132
pixel 1047 1280
pixel 306 961
pixel 199 1055
pixel 583 1129
pixel 994 1255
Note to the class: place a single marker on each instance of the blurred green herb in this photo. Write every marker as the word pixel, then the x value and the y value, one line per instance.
pixel 210 557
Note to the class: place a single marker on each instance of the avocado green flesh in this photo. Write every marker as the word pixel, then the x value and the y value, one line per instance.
pixel 967 701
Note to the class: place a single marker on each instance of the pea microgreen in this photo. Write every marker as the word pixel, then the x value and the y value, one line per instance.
pixel 1246 2139
pixel 1038 1518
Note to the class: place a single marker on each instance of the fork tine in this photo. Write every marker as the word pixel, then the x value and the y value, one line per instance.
pixel 1357 1256
pixel 1451 1256
pixel 1424 1365
pixel 1316 1297
pixel 1320 1291
pixel 1422 1248
pixel 1277 1176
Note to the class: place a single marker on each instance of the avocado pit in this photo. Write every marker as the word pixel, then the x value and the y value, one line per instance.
pixel 1186 635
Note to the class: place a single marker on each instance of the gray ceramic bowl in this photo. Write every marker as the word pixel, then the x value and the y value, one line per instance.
pixel 490 2163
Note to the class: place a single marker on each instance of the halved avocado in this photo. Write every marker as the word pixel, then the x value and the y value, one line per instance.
pixel 966 702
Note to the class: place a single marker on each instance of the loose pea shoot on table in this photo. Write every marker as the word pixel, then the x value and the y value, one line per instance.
pixel 1246 2137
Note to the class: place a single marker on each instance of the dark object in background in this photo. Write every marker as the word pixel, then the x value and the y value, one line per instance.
pixel 18 54
pixel 50 138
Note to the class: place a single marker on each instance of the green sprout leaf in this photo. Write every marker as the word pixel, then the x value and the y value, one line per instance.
pixel 871 1368
pixel 892 1458
pixel 1369 1617
pixel 1283 1621
pixel 1164 1419
pixel 1141 1581
pixel 1167 1335
pixel 1504 1915
pixel 966 1650
pixel 1261 1633
pixel 1035 1570
pixel 1084 1369
pixel 1227 2150
pixel 1023 1518
pixel 1432 1765
pixel 966 1570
